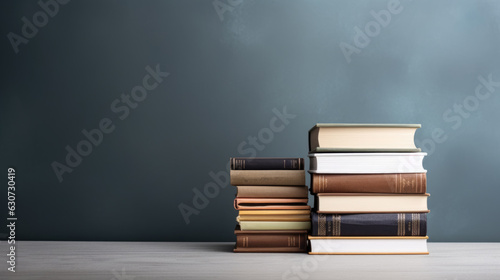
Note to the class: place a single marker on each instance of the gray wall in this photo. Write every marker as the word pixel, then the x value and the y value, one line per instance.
pixel 227 75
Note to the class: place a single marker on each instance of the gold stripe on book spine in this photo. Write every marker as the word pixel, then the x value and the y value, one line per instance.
pixel 336 223
pixel 416 224
pixel 321 224
pixel 398 183
pixel 401 224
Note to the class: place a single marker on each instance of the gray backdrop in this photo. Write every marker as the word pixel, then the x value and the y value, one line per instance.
pixel 234 66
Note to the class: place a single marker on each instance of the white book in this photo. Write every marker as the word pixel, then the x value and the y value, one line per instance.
pixel 360 163
pixel 368 245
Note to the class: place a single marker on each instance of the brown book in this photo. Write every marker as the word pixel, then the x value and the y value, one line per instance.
pixel 369 183
pixel 272 191
pixel 271 241
pixel 268 177
pixel 243 203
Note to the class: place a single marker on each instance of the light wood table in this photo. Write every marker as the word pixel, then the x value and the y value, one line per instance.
pixel 176 260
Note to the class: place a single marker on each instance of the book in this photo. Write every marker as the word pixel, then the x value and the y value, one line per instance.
pixel 290 241
pixel 377 245
pixel 334 137
pixel 275 225
pixel 371 203
pixel 273 218
pixel 274 212
pixel 366 163
pixel 244 203
pixel 369 183
pixel 246 163
pixel 388 224
pixel 272 191
pixel 268 177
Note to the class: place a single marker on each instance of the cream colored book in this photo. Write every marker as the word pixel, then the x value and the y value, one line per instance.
pixel 274 212
pixel 273 218
pixel 268 225
pixel 377 245
pixel 344 137
pixel 371 203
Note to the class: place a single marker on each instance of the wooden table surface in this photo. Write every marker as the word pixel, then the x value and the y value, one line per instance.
pixel 177 260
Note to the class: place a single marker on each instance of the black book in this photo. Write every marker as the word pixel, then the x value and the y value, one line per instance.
pixel 391 224
pixel 242 163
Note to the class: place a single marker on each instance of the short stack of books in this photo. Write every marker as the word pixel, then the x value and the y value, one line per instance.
pixel 370 190
pixel 272 204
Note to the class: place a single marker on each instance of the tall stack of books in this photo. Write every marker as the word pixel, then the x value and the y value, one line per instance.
pixel 272 204
pixel 370 190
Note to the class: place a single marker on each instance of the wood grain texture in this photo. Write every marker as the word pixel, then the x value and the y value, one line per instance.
pixel 166 260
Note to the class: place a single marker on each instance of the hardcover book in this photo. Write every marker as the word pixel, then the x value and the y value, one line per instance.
pixel 274 212
pixel 371 203
pixel 243 203
pixel 366 163
pixel 275 225
pixel 290 241
pixel 268 177
pixel 245 163
pixel 272 191
pixel 390 224
pixel 369 183
pixel 273 218
pixel 375 245
pixel 334 137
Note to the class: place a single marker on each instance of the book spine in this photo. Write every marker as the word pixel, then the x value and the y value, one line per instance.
pixel 269 241
pixel 397 224
pixel 369 183
pixel 267 164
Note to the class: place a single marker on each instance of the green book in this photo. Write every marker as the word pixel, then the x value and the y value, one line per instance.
pixel 348 137
pixel 274 225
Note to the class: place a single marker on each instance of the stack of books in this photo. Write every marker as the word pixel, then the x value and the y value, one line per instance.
pixel 272 204
pixel 370 190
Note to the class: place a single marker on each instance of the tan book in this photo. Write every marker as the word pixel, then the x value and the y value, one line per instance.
pixel 377 245
pixel 247 203
pixel 371 203
pixel 273 218
pixel 268 177
pixel 274 225
pixel 335 137
pixel 272 191
pixel 274 212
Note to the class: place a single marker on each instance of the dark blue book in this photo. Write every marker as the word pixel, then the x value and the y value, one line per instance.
pixel 391 224
pixel 242 163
